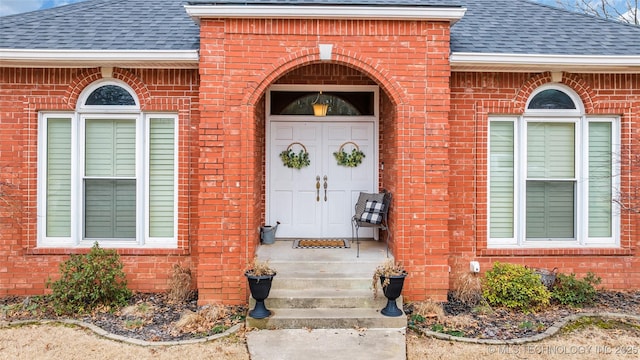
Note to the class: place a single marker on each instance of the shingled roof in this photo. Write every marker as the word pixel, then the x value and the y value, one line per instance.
pixel 489 26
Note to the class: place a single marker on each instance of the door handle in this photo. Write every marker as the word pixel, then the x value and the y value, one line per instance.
pixel 325 188
pixel 318 188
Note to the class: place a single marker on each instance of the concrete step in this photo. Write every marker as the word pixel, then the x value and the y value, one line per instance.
pixel 296 268
pixel 324 289
pixel 323 298
pixel 327 318
pixel 329 283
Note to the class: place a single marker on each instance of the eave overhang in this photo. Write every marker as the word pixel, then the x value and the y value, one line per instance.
pixel 149 59
pixel 488 62
pixel 406 13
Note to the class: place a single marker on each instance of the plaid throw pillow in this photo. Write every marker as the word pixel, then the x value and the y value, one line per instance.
pixel 371 217
pixel 373 212
pixel 374 207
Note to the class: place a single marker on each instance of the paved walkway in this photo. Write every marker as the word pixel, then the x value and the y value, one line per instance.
pixel 334 344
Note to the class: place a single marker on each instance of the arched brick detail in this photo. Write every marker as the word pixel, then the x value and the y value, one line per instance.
pixel 312 56
pixel 584 91
pixel 131 79
pixel 81 81
pixel 527 88
pixel 575 82
pixel 89 76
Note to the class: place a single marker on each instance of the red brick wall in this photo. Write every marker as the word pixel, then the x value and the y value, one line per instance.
pixel 433 131
pixel 475 96
pixel 24 93
pixel 240 59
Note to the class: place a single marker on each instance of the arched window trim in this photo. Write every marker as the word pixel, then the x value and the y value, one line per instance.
pixel 579 110
pixel 81 105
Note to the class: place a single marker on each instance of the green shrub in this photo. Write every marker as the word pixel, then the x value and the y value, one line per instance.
pixel 569 290
pixel 89 281
pixel 515 287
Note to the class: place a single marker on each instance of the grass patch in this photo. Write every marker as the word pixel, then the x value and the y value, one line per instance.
pixel 600 323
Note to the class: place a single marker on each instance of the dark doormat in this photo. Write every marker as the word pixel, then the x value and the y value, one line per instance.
pixel 321 244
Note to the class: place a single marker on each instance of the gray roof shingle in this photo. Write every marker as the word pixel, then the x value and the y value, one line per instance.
pixel 489 26
pixel 103 25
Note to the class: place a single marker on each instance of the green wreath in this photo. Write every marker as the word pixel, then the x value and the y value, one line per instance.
pixel 352 159
pixel 293 160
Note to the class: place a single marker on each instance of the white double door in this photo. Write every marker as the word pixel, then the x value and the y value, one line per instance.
pixel 318 201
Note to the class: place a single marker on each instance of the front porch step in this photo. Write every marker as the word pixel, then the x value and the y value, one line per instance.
pixel 323 298
pixel 324 289
pixel 329 283
pixel 327 318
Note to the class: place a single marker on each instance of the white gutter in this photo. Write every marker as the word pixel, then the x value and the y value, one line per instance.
pixel 450 14
pixel 93 58
pixel 537 63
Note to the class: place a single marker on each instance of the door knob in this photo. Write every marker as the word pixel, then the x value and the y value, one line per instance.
pixel 318 188
pixel 325 188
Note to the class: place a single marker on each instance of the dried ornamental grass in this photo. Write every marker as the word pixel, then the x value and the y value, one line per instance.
pixel 468 288
pixel 201 321
pixel 429 309
pixel 259 268
pixel 179 284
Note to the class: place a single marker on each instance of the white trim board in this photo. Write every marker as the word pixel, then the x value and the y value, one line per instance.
pixel 54 58
pixel 492 62
pixel 409 13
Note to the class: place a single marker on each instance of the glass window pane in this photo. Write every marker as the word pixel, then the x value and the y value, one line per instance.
pixel 552 99
pixel 110 209
pixel 550 150
pixel 161 177
pixel 58 177
pixel 110 148
pixel 501 175
pixel 110 95
pixel 550 210
pixel 600 178
pixel 340 103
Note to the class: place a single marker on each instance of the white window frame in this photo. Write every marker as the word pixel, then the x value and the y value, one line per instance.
pixel 78 119
pixel 581 122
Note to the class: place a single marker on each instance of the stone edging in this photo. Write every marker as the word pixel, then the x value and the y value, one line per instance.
pixel 552 330
pixel 103 333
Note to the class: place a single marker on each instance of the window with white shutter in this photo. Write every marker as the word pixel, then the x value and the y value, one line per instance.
pixel 107 173
pixel 552 175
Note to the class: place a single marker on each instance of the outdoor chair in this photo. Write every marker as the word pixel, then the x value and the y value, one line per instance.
pixel 371 211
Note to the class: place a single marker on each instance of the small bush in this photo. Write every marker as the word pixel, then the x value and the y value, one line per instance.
pixel 515 287
pixel 569 290
pixel 90 281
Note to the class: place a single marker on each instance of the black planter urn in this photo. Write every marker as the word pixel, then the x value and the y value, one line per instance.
pixel 260 287
pixel 392 291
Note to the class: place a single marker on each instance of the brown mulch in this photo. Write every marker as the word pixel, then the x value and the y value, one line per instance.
pixel 484 322
pixel 151 317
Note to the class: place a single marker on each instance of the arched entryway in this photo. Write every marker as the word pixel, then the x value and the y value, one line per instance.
pixel 368 125
pixel 308 191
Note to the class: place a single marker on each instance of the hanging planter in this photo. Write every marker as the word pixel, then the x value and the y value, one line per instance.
pixel 293 160
pixel 352 159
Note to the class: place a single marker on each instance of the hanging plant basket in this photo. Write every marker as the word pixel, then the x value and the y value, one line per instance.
pixel 293 160
pixel 352 159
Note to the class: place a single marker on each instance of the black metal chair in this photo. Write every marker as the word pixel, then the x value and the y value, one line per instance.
pixel 371 211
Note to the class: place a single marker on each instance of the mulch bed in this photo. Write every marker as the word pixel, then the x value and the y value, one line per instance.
pixel 502 324
pixel 159 324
